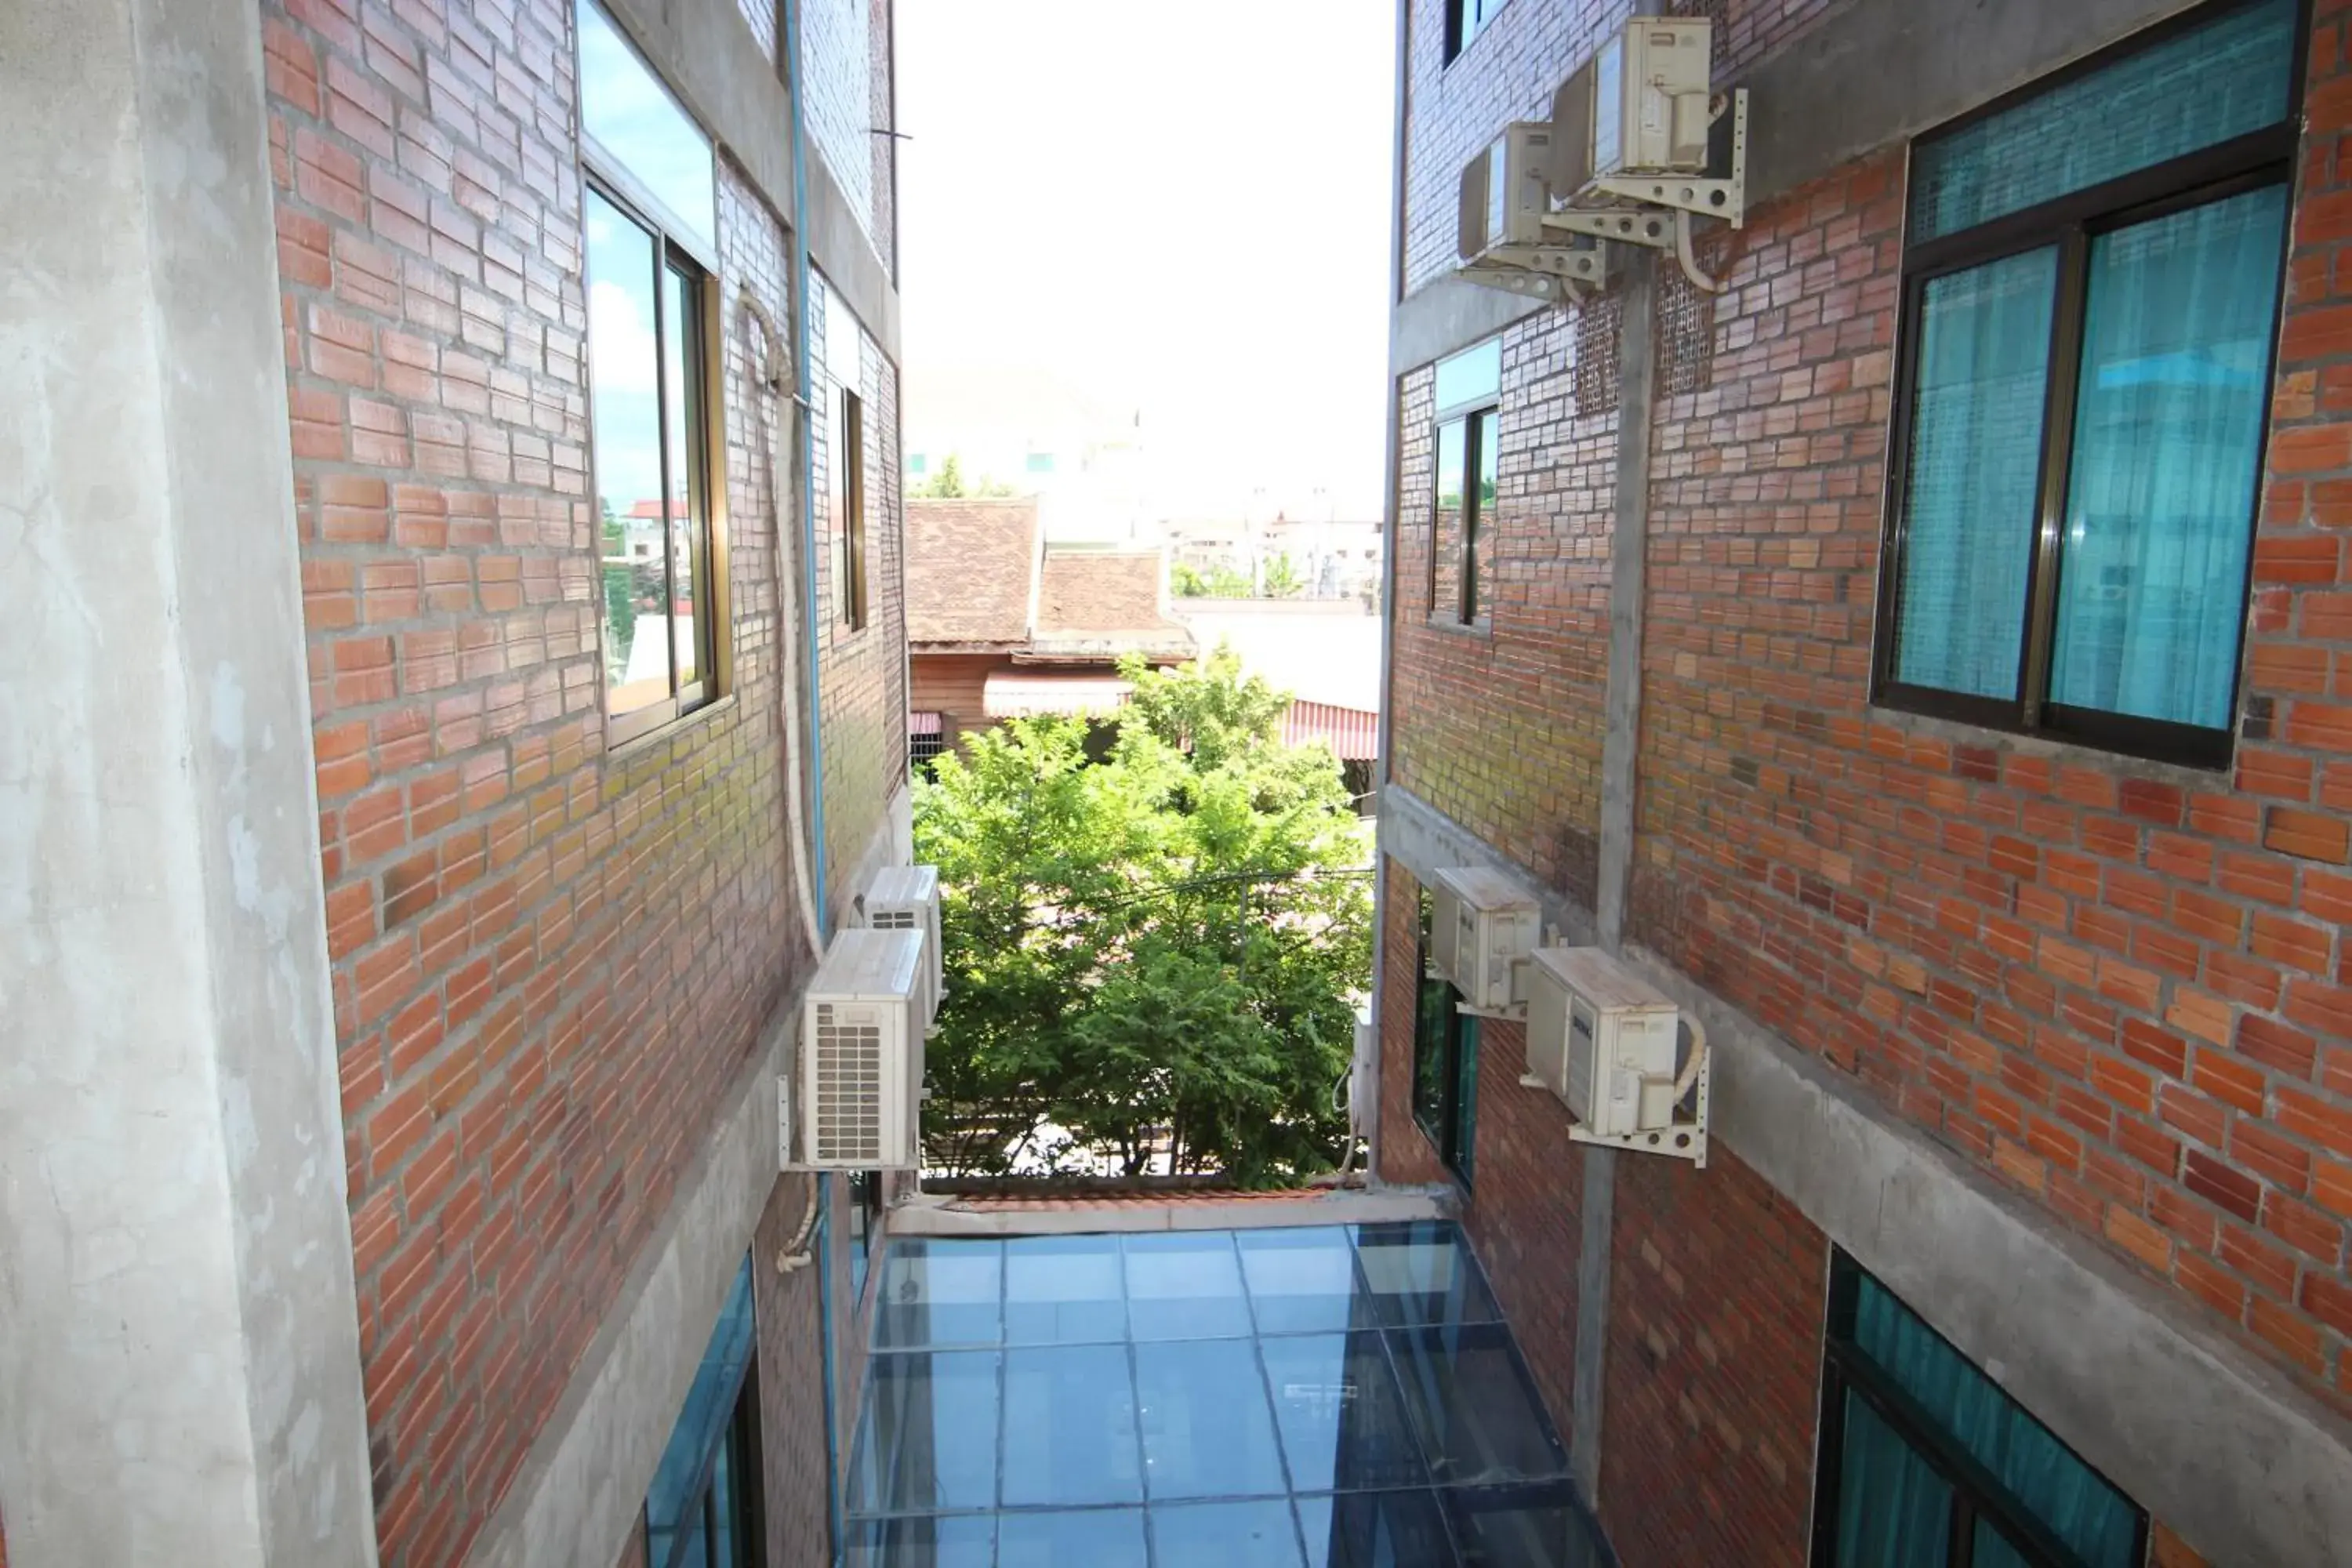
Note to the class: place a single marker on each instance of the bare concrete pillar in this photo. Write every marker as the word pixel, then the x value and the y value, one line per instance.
pixel 179 1369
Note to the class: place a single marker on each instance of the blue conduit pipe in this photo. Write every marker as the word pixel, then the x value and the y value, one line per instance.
pixel 805 464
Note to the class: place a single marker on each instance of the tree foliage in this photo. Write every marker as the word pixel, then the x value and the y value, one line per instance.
pixel 1155 954
pixel 1281 579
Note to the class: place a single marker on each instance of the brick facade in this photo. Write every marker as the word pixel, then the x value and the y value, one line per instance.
pixel 552 955
pixel 2121 989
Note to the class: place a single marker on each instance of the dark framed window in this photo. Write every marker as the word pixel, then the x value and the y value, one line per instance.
pixel 2091 286
pixel 845 348
pixel 1444 1063
pixel 1469 387
pixel 1465 20
pixel 649 217
pixel 1928 1463
pixel 703 1511
pixel 864 1220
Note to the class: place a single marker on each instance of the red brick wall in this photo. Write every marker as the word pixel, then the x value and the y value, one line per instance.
pixel 1500 726
pixel 863 672
pixel 1716 1297
pixel 550 958
pixel 2122 988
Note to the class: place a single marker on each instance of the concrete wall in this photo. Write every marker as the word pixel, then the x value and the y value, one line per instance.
pixel 178 1378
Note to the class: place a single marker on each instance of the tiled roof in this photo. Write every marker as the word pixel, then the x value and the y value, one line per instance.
pixel 970 568
pixel 1098 592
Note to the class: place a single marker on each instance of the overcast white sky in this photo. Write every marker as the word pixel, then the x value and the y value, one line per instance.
pixel 1179 205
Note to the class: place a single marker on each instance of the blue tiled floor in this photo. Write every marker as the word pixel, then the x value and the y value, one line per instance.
pixel 1318 1398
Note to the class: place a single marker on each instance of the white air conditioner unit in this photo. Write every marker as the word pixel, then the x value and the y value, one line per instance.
pixel 907 897
pixel 1629 142
pixel 1499 232
pixel 1606 1041
pixel 1482 927
pixel 1640 106
pixel 861 1080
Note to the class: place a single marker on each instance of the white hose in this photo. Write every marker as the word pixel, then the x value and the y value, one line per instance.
pixel 789 638
pixel 1697 1059
pixel 797 1252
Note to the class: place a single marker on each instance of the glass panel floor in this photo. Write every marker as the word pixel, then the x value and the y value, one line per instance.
pixel 1331 1396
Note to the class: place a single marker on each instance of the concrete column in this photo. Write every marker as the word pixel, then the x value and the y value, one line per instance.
pixel 179 1367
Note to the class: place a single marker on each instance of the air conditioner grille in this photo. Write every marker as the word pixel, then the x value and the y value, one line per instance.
pixel 891 920
pixel 848 1091
pixel 1582 1025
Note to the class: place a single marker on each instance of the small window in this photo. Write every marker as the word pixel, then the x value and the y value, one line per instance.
pixel 849 501
pixel 1465 20
pixel 1041 462
pixel 640 137
pixel 1468 387
pixel 703 1511
pixel 2091 297
pixel 647 412
pixel 918 465
pixel 1926 1462
pixel 1444 1064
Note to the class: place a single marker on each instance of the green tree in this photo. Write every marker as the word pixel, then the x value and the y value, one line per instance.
pixel 1186 582
pixel 1281 579
pixel 948 483
pixel 1157 953
pixel 620 602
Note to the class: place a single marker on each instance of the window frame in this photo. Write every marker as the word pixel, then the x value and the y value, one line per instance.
pixel 2069 223
pixel 603 173
pixel 1454 1135
pixel 1846 1368
pixel 849 465
pixel 1464 20
pixel 1480 416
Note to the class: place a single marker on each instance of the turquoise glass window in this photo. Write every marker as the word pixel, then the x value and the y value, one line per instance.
pixel 2198 89
pixel 639 127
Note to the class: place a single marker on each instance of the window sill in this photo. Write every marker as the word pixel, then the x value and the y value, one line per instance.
pixel 2049 748
pixel 635 745
pixel 1483 626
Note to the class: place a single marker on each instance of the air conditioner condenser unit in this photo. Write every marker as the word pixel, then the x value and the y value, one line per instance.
pixel 907 897
pixel 1499 233
pixel 1482 927
pixel 861 1055
pixel 1607 1042
pixel 1638 106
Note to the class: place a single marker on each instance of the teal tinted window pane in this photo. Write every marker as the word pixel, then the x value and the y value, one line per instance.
pixel 1302 1279
pixel 1207 1430
pixel 1185 1287
pixel 1101 1538
pixel 2197 90
pixel 2042 1473
pixel 625 435
pixel 1472 1407
pixel 1227 1534
pixel 1894 1509
pixel 918 464
pixel 956 1541
pixel 1069 1416
pixel 1466 1096
pixel 640 127
pixel 1991 1549
pixel 928 1440
pixel 1970 484
pixel 1473 376
pixel 1421 1271
pixel 937 1292
pixel 1063 1290
pixel 702 1424
pixel 1376 1529
pixel 2168 459
pixel 1342 1419
pixel 681 364
pixel 1041 462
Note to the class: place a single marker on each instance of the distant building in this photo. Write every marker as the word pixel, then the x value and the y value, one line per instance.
pixel 1331 558
pixel 1004 624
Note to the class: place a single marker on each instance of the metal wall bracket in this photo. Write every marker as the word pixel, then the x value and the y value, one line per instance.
pixel 1554 272
pixel 1726 199
pixel 1684 1139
